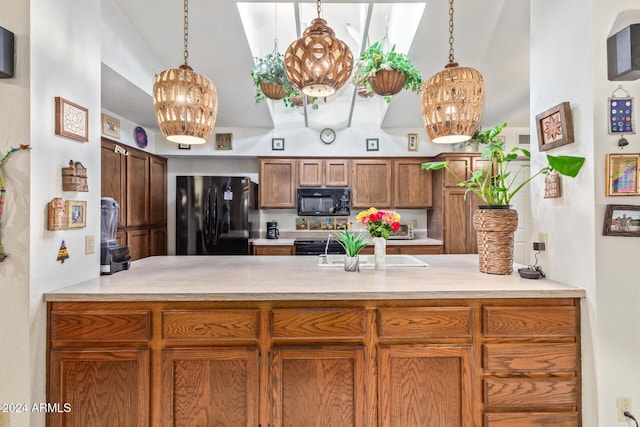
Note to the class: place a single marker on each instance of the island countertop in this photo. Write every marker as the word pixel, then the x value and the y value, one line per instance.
pixel 269 278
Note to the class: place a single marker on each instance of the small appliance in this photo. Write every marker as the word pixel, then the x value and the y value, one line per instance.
pixel 324 201
pixel 272 230
pixel 113 257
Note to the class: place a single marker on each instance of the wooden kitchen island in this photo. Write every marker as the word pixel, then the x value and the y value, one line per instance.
pixel 280 341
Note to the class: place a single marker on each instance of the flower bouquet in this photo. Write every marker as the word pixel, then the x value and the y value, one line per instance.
pixel 379 223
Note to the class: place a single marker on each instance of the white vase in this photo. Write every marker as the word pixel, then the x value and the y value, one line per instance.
pixel 351 263
pixel 380 252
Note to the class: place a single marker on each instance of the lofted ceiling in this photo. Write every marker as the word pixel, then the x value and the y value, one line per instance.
pixel 224 36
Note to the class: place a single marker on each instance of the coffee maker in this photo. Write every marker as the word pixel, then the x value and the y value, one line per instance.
pixel 272 230
pixel 113 257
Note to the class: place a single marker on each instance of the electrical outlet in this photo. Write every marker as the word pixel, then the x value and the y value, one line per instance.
pixel 414 222
pixel 89 244
pixel 624 405
pixel 542 238
pixel 4 419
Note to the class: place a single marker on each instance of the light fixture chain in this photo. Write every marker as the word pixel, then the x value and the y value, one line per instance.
pixel 186 32
pixel 451 31
pixel 318 7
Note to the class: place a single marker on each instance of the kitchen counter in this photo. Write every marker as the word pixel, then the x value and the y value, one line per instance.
pixel 390 242
pixel 259 278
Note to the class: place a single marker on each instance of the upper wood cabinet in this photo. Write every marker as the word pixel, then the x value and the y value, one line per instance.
pixel 411 185
pixel 277 183
pixel 371 183
pixel 138 181
pixel 323 172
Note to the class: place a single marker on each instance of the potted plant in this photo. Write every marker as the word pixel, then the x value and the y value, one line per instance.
pixel 270 79
pixel 352 245
pixel 496 188
pixel 295 99
pixel 385 73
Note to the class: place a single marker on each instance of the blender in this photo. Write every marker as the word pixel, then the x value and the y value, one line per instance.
pixel 113 257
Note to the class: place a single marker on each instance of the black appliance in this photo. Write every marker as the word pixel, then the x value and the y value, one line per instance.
pixel 214 214
pixel 113 257
pixel 7 53
pixel 317 247
pixel 272 230
pixel 324 201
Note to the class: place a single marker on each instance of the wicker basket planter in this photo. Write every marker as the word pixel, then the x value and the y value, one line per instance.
pixel 387 82
pixel 272 90
pixel 495 228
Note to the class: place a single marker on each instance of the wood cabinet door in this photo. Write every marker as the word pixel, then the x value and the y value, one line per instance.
pixel 137 188
pixel 113 178
pixel 138 242
pixel 157 190
pixel 337 172
pixel 411 185
pixel 457 223
pixel 461 166
pixel 318 387
pixel 310 172
pixel 103 387
pixel 277 183
pixel 158 241
pixel 278 250
pixel 210 387
pixel 371 183
pixel 425 386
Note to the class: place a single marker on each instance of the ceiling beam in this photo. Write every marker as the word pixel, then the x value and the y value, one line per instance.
pixel 363 44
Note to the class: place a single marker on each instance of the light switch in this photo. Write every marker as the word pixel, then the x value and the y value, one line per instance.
pixel 89 244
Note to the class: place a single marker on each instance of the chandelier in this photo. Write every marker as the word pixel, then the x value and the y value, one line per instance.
pixel 452 100
pixel 318 63
pixel 185 102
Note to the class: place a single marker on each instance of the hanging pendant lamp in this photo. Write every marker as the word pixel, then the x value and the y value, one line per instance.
pixel 185 102
pixel 452 100
pixel 318 63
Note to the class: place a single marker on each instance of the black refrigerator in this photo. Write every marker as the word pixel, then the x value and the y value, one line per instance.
pixel 214 214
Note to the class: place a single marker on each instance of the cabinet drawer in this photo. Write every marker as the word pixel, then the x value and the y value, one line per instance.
pixel 530 392
pixel 530 322
pixel 532 419
pixel 109 326
pixel 210 324
pixel 430 322
pixel 530 357
pixel 317 323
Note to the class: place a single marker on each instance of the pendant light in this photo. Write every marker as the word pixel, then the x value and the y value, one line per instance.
pixel 185 102
pixel 452 100
pixel 318 63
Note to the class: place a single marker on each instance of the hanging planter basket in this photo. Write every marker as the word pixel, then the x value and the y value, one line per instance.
pixel 495 229
pixel 387 82
pixel 272 90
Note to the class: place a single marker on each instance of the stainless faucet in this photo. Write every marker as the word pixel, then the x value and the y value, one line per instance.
pixel 326 249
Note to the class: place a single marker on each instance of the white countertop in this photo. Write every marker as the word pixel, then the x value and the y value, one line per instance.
pixel 260 278
pixel 390 242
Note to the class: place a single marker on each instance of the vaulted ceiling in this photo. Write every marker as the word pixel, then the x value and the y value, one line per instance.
pixel 224 36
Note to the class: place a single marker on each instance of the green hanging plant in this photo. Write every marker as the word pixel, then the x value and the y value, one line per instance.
pixel 375 59
pixel 270 69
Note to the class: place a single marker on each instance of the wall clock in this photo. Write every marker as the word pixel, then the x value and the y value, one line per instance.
pixel 140 136
pixel 327 136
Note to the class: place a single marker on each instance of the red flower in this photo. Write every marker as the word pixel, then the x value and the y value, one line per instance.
pixel 395 226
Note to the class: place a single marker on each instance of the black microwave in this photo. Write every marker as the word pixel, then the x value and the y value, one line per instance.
pixel 324 201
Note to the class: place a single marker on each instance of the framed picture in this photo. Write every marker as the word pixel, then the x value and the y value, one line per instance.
pixel 524 139
pixel 72 120
pixel 621 116
pixel 622 220
pixel 223 141
pixel 184 146
pixel 372 144
pixel 412 143
pixel 110 126
pixel 76 214
pixel 555 127
pixel 622 174
pixel 277 144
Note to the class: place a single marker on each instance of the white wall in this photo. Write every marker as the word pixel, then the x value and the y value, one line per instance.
pixel 617 267
pixel 65 61
pixel 15 384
